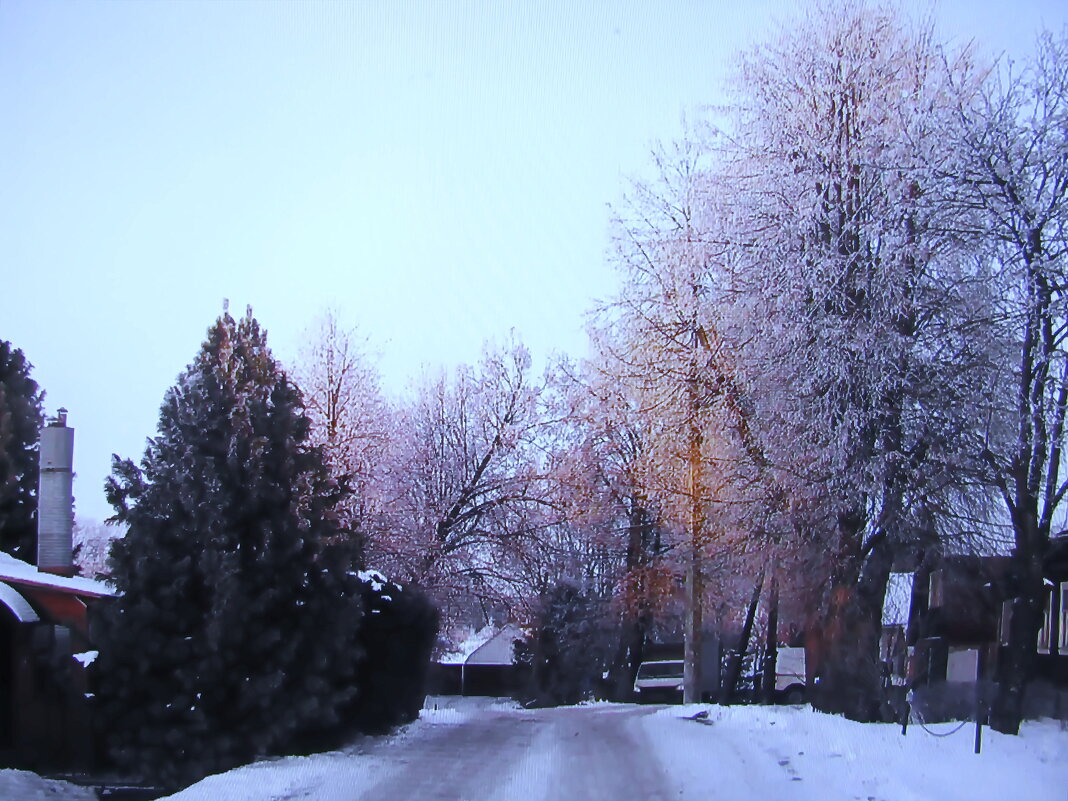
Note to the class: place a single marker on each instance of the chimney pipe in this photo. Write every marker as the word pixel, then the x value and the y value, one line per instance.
pixel 55 498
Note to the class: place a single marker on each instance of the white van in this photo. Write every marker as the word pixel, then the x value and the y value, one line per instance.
pixel 659 681
pixel 790 675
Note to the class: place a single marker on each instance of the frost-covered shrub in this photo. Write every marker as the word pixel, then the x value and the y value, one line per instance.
pixel 397 636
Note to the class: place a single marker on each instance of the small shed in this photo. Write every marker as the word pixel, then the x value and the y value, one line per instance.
pixel 44 653
pixel 486 670
pixel 489 670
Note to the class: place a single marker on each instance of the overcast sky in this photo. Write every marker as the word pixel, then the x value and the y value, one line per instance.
pixel 440 173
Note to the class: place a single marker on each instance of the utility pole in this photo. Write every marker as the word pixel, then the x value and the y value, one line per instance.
pixel 691 687
pixel 692 668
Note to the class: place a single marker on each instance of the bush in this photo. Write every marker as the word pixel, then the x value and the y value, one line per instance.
pixel 563 662
pixel 397 637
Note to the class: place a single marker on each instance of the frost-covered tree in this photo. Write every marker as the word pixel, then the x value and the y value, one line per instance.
pixel 661 341
pixel 596 445
pixel 236 628
pixel 20 424
pixel 461 482
pixel 350 419
pixel 1012 178
pixel 92 546
pixel 858 304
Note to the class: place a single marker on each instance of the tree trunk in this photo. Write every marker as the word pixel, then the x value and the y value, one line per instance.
pixel 1017 662
pixel 735 670
pixel 850 679
pixel 636 621
pixel 771 642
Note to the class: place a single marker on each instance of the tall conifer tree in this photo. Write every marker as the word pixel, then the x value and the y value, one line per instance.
pixel 236 631
pixel 20 424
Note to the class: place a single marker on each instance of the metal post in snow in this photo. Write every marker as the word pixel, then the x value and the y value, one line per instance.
pixel 980 693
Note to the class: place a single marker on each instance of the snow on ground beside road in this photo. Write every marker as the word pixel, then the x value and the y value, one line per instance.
pixel 321 776
pixel 25 786
pixel 454 709
pixel 796 754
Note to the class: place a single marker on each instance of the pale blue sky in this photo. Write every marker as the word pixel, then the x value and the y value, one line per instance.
pixel 438 172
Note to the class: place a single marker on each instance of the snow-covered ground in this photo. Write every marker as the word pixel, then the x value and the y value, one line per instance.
pixel 21 785
pixel 796 754
pixel 486 749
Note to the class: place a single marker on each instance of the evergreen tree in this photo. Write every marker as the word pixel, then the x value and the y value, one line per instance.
pixel 20 425
pixel 236 633
pixel 569 650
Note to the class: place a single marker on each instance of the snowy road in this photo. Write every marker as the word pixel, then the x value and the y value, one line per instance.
pixel 467 749
pixel 594 753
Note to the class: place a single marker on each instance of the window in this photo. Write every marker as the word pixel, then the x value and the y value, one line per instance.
pixel 934 590
pixel 1046 632
pixel 660 670
pixel 1006 622
pixel 1062 629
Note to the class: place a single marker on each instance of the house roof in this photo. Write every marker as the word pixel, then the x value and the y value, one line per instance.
pixel 19 606
pixel 497 650
pixel 19 572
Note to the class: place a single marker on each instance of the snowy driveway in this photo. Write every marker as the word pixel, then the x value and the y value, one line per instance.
pixel 466 749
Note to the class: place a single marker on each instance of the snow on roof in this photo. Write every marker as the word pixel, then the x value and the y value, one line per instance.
pixel 471 643
pixel 18 605
pixel 12 569
pixel 898 599
pixel 497 650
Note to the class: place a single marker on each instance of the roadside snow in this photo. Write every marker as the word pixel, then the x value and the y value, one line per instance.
pixel 26 786
pixel 796 754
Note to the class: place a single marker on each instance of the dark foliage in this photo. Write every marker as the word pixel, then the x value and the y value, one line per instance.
pixel 237 632
pixel 564 660
pixel 20 425
pixel 398 634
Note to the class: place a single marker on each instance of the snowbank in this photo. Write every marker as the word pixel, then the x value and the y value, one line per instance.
pixel 797 754
pixel 26 786
pixel 333 775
